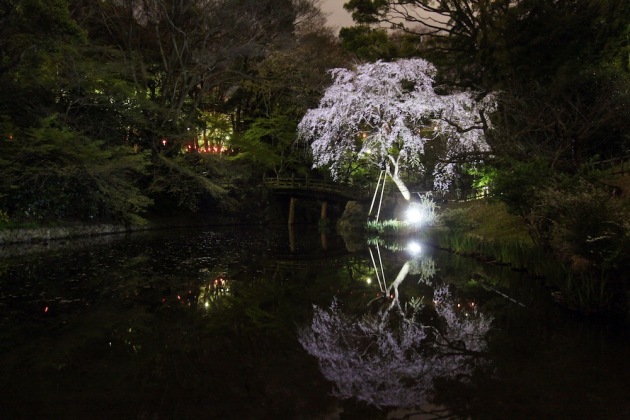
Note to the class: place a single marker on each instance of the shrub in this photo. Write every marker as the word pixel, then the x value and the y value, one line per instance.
pixel 588 226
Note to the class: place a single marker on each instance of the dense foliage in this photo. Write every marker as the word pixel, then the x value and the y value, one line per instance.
pixel 113 110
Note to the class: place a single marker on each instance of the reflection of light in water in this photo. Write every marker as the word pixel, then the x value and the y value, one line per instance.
pixel 414 248
pixel 422 265
pixel 211 294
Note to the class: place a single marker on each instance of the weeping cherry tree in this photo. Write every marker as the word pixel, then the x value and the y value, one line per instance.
pixel 387 112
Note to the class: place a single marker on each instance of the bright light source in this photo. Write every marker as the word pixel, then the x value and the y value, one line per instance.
pixel 368 280
pixel 415 215
pixel 414 248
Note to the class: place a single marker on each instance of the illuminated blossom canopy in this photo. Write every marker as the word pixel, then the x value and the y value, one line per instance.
pixel 387 112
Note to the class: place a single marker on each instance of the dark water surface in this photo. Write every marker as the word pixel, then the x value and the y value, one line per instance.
pixel 241 323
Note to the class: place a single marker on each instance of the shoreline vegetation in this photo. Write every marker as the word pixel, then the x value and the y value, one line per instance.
pixel 479 229
pixel 493 236
pixel 485 231
pixel 32 234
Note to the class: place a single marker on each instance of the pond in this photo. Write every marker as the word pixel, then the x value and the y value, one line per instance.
pixel 252 323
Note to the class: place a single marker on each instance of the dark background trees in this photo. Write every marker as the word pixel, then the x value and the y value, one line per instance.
pixel 111 101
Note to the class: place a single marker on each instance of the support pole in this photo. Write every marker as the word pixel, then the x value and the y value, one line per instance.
pixel 382 284
pixel 292 211
pixel 378 184
pixel 380 203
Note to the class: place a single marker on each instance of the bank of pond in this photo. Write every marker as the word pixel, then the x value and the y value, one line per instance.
pixel 589 292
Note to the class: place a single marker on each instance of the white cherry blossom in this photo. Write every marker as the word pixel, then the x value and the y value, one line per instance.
pixel 388 111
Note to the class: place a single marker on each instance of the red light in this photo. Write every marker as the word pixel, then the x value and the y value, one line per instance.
pixel 179 297
pixel 46 309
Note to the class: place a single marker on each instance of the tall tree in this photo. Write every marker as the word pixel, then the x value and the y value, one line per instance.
pixel 463 32
pixel 49 169
pixel 29 27
pixel 158 68
pixel 283 86
pixel 34 35
pixel 53 168
pixel 186 56
pixel 372 44
pixel 492 42
pixel 388 113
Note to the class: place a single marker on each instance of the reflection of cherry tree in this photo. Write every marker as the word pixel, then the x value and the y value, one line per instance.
pixel 392 359
pixel 422 265
pixel 465 328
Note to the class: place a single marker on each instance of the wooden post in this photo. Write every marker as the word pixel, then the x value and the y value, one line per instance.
pixel 292 210
pixel 292 238
pixel 323 224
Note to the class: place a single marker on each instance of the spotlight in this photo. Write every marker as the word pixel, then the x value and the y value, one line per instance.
pixel 415 215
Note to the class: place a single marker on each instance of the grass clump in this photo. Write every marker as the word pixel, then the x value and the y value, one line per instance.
pixel 486 219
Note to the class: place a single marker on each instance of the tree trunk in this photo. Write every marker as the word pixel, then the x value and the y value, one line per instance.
pixel 393 174
pixel 400 184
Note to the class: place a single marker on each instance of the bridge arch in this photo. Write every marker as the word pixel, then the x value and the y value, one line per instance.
pixel 314 189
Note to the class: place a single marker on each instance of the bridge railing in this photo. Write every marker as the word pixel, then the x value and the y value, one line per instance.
pixel 462 195
pixel 617 166
pixel 296 183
